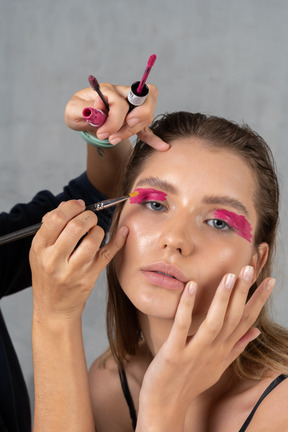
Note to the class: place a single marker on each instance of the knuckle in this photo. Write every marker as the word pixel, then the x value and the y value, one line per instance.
pixel 234 321
pixel 56 218
pixel 153 89
pixel 76 224
pixel 106 254
pixel 212 330
pixel 181 324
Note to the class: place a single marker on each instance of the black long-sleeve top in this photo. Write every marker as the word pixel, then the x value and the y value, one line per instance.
pixel 15 275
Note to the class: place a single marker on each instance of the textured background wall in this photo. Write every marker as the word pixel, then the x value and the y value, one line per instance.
pixel 223 57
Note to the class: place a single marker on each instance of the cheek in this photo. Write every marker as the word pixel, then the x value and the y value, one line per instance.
pixel 138 244
pixel 224 260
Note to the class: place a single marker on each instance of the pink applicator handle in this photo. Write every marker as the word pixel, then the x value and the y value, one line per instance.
pixel 95 117
pixel 139 90
pixel 150 63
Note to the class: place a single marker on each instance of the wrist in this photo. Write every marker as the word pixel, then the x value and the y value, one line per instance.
pixel 154 417
pixel 91 139
pixel 55 324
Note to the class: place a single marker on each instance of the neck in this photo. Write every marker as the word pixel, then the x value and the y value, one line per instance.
pixel 156 331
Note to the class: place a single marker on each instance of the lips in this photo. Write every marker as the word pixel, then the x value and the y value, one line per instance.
pixel 165 276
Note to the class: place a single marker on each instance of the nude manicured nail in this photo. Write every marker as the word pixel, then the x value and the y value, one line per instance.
pixel 124 231
pixel 271 284
pixel 102 136
pixel 192 287
pixel 115 141
pixel 248 273
pixel 229 281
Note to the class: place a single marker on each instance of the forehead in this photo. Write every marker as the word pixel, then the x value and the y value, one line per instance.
pixel 196 169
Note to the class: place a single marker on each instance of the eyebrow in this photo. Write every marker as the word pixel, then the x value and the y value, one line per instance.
pixel 213 199
pixel 158 183
pixel 226 200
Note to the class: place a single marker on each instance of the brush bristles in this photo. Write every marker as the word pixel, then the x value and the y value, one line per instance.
pixel 133 194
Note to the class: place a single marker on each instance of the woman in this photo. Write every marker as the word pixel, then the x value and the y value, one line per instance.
pixel 186 319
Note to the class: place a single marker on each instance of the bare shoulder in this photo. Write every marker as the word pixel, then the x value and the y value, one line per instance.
pixel 109 406
pixel 272 413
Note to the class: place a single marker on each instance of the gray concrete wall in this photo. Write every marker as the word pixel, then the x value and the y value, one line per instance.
pixel 224 57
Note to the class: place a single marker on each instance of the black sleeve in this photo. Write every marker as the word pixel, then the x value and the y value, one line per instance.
pixel 15 273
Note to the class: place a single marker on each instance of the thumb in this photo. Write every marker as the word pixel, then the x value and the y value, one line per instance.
pixel 105 254
pixel 146 135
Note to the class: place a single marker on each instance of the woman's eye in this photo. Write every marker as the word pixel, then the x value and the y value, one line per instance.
pixel 155 205
pixel 219 224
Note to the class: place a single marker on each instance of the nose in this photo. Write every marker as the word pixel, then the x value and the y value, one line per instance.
pixel 177 236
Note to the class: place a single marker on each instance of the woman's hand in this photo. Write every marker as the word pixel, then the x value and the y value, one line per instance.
pixel 119 125
pixel 63 276
pixel 186 366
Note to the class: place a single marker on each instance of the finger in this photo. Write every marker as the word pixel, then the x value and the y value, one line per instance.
pixel 183 318
pixel 118 109
pixel 238 299
pixel 146 135
pixel 73 114
pixel 213 323
pixel 105 254
pixel 74 231
pixel 140 117
pixel 55 221
pixel 73 111
pixel 242 343
pixel 253 308
pixel 86 251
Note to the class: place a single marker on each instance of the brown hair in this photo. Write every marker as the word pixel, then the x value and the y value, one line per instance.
pixel 269 350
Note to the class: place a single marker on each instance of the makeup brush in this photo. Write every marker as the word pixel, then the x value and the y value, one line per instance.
pixel 26 232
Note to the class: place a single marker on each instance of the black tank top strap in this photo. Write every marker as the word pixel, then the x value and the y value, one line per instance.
pixel 128 397
pixel 274 384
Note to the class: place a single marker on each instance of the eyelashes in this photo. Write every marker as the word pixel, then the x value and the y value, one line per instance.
pixel 237 222
pixel 154 206
pixel 219 224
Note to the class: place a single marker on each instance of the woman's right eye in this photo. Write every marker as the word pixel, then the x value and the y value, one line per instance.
pixel 155 206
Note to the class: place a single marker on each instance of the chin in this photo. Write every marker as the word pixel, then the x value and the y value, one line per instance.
pixel 157 308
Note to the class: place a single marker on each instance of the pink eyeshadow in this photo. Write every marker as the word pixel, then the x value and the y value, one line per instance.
pixel 238 222
pixel 147 194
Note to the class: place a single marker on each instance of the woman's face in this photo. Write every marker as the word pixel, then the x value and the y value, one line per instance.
pixel 203 230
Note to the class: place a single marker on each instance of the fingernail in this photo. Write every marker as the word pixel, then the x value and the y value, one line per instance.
pixel 133 121
pixel 115 141
pixel 229 281
pixel 124 231
pixel 271 284
pixel 248 273
pixel 256 335
pixel 81 202
pixel 191 287
pixel 102 136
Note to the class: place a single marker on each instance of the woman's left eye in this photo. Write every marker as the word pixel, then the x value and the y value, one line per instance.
pixel 155 205
pixel 219 224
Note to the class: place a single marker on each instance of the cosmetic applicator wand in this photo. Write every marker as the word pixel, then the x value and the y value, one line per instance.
pixel 96 86
pixel 139 89
pixel 26 232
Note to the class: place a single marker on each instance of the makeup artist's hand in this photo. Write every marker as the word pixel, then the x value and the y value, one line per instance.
pixel 188 364
pixel 62 276
pixel 119 125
